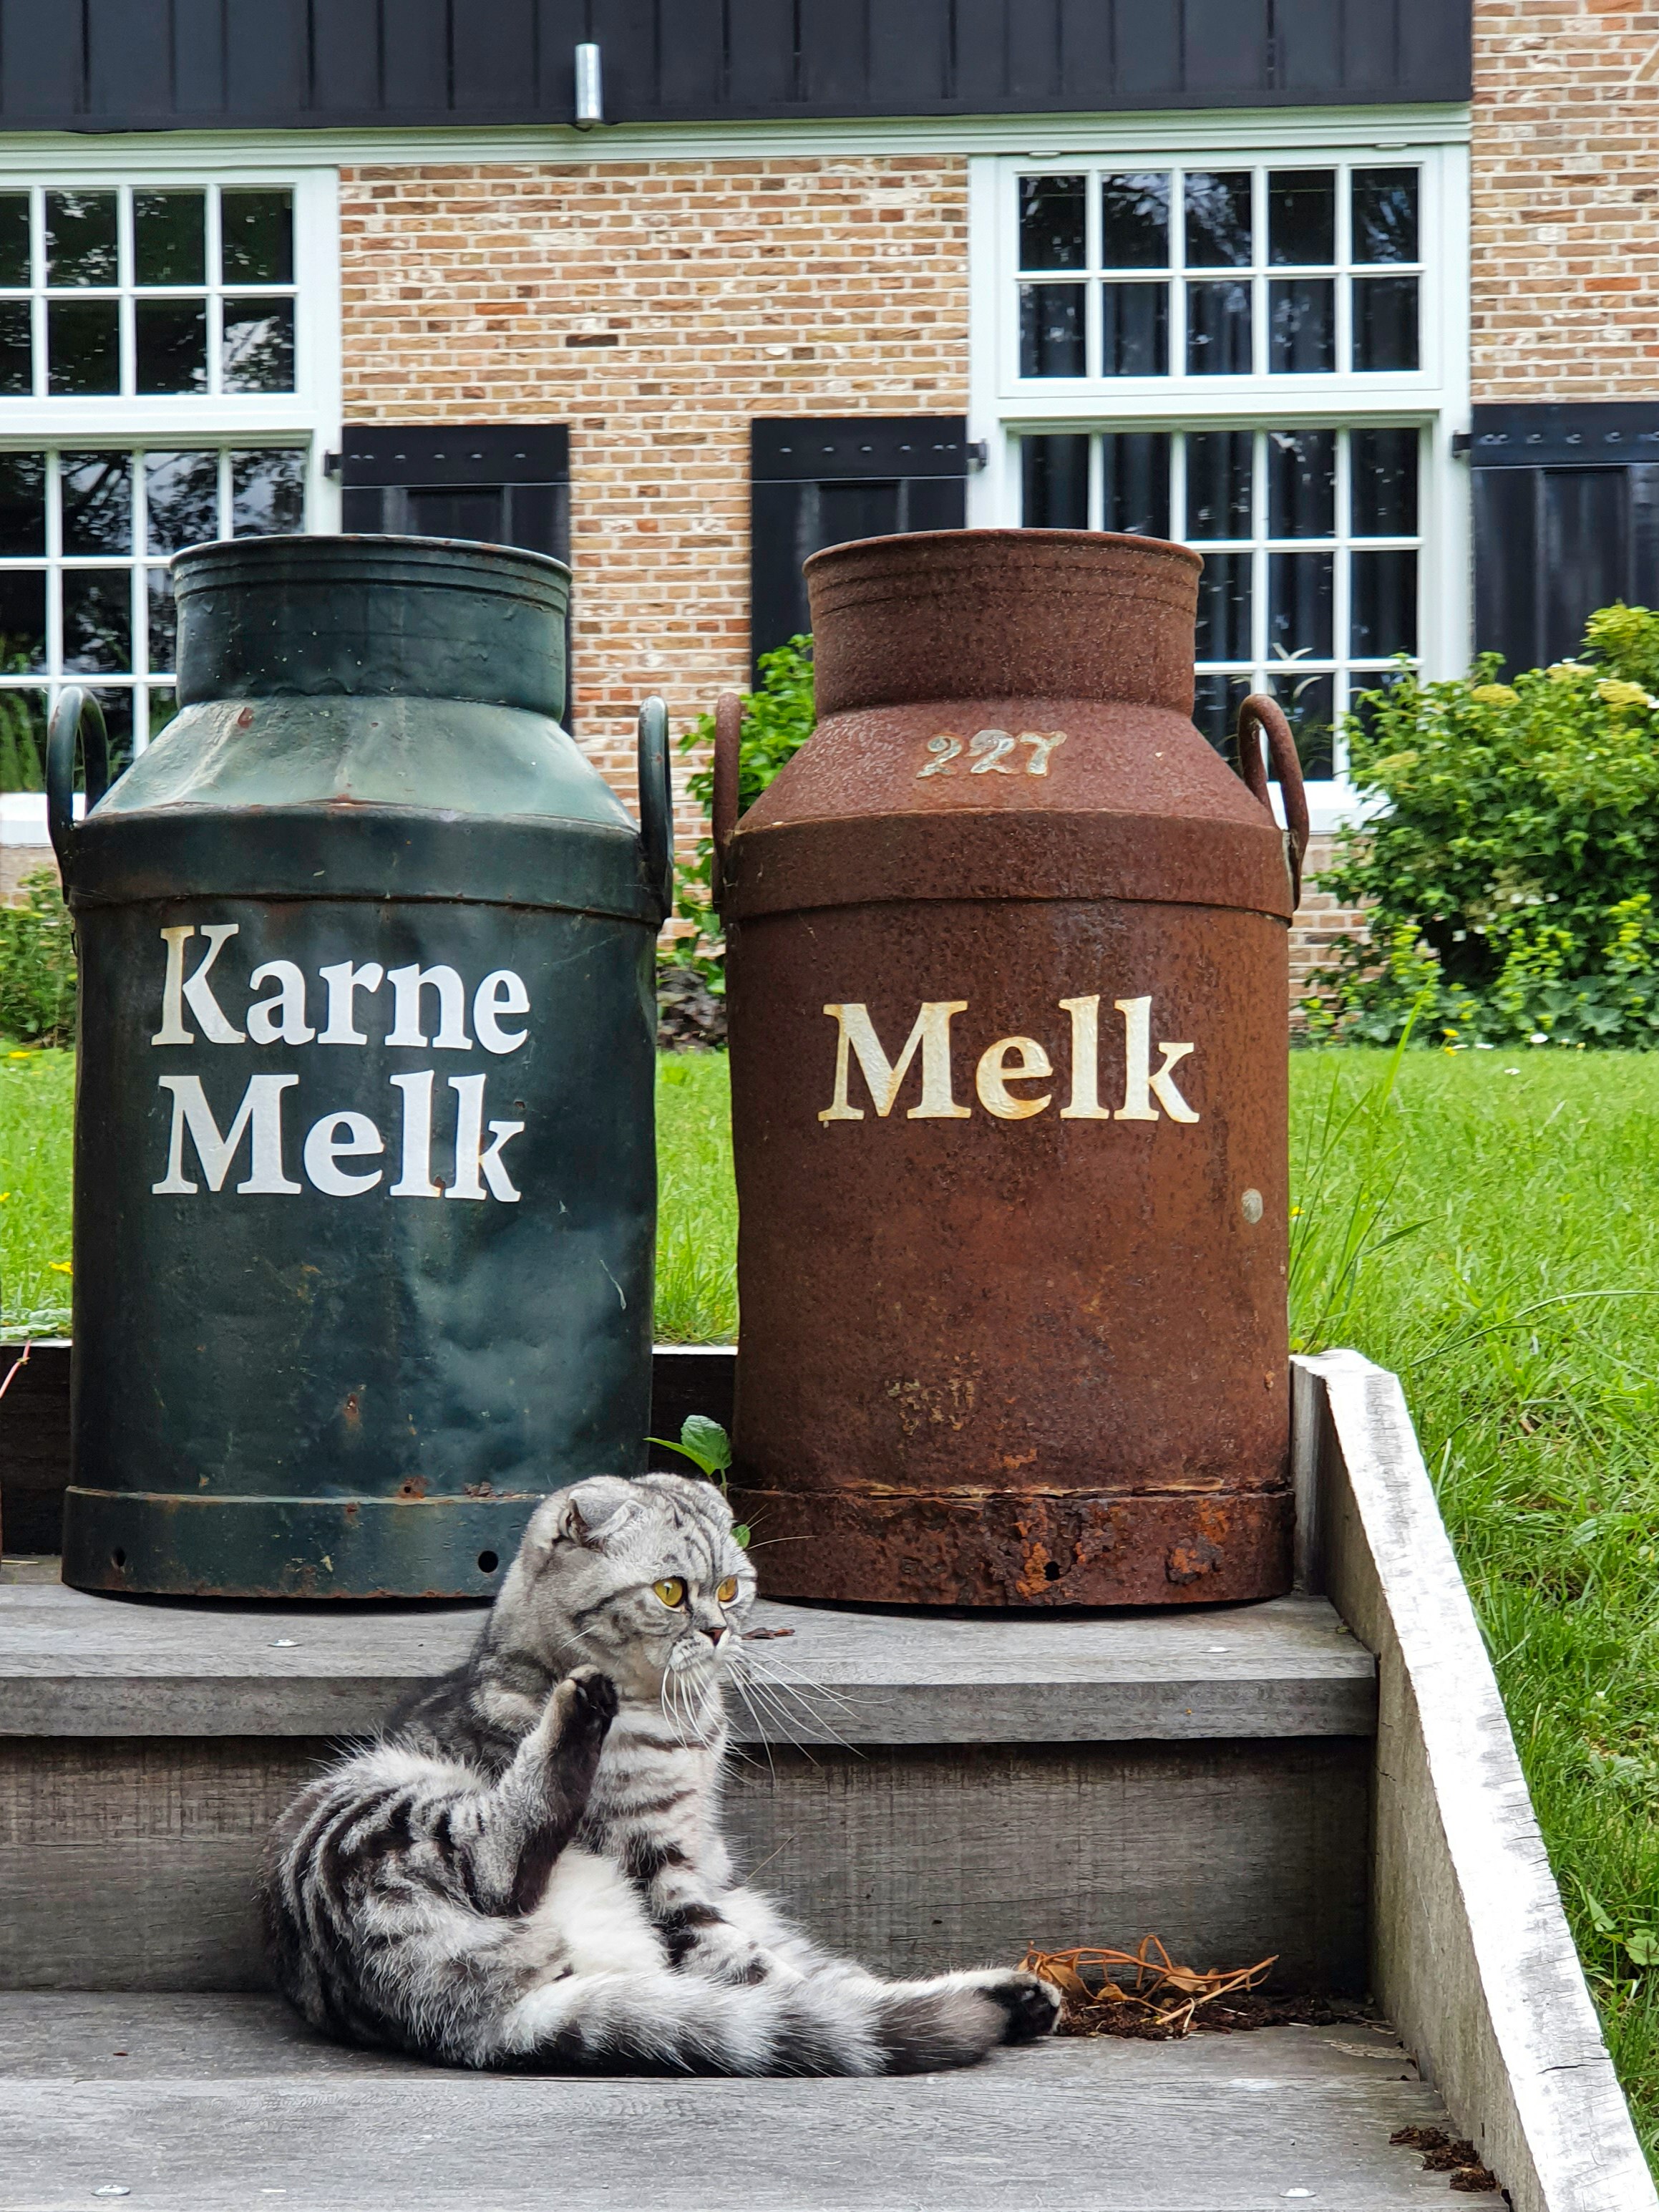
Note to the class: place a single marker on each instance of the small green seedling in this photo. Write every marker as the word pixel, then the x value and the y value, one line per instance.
pixel 706 1444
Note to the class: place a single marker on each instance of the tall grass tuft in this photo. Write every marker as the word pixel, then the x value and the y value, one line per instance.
pixel 696 1202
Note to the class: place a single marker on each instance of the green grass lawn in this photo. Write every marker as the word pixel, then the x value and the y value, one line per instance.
pixel 1521 1306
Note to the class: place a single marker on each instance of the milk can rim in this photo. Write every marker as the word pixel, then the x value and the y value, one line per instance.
pixel 458 564
pixel 927 543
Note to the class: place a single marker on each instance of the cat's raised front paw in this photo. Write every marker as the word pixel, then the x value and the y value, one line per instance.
pixel 586 1703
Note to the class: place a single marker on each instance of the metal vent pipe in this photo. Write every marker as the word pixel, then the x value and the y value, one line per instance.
pixel 590 87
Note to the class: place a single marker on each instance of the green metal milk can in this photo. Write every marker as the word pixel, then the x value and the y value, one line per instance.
pixel 365 1181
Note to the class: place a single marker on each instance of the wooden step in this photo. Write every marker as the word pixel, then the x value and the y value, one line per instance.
pixel 226 2100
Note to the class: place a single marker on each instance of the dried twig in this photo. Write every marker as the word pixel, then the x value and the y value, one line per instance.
pixel 1144 1985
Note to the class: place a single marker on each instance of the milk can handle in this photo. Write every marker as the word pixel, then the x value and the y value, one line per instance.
pixel 1260 712
pixel 723 815
pixel 657 800
pixel 77 715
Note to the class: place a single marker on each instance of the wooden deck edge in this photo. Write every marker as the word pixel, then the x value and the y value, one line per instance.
pixel 1472 1958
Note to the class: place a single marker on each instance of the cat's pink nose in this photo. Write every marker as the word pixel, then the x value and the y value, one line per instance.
pixel 715 1634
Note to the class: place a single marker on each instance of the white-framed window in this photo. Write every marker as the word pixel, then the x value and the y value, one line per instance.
pixel 169 373
pixel 1259 349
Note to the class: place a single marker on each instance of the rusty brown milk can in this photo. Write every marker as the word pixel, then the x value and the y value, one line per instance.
pixel 1007 947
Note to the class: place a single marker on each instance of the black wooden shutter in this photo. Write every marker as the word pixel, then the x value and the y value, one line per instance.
pixel 824 480
pixel 1567 519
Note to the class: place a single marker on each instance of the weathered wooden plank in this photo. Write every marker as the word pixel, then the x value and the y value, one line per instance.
pixel 1472 1953
pixel 224 2101
pixel 72 1664
pixel 132 1865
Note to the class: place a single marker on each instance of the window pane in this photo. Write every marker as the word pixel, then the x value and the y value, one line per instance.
pixel 22 620
pixel 267 493
pixel 22 503
pixel 1301 483
pixel 1134 330
pixel 1216 702
pixel 1309 707
pixel 1302 215
pixel 1385 215
pixel 117 703
pixel 1382 469
pixel 1218 483
pixel 1135 467
pixel 1134 223
pixel 1051 330
pixel 97 502
pixel 169 238
pixel 258 355
pixel 1051 223
pixel 1301 325
pixel 22 740
pixel 182 492
pixel 81 238
pixel 16 347
pixel 1384 617
pixel 171 344
pixel 97 621
pixel 1385 322
pixel 163 616
pixel 1219 220
pixel 257 237
pixel 1223 607
pixel 1055 482
pixel 1300 597
pixel 1218 330
pixel 14 238
pixel 83 346
pixel 163 706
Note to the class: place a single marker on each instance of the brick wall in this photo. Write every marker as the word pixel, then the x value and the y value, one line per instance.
pixel 1565 200
pixel 1320 922
pixel 655 308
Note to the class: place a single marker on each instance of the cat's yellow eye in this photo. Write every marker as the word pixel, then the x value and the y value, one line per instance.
pixel 727 1590
pixel 671 1592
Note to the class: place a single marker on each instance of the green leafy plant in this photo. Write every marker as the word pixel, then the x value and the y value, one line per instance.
pixel 706 1444
pixel 38 971
pixel 777 720
pixel 1512 868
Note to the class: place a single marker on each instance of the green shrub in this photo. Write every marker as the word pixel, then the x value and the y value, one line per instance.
pixel 777 720
pixel 1512 872
pixel 38 975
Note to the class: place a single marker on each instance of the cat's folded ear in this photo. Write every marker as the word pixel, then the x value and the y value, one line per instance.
pixel 590 1512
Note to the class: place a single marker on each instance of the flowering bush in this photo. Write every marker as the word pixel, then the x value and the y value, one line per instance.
pixel 38 973
pixel 1510 880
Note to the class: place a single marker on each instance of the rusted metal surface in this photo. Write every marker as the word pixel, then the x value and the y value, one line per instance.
pixel 1008 990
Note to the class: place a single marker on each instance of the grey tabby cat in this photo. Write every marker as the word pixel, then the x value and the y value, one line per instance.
pixel 527 1869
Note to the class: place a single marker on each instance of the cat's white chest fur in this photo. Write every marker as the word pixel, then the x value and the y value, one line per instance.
pixel 599 1916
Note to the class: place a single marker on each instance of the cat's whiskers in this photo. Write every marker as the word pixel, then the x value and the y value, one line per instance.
pixel 768 1707
pixel 779 1689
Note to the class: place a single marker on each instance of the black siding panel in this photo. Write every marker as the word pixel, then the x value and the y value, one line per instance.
pixel 130 61
pixel 42 64
pixel 1505 565
pixel 1372 40
pixel 1087 53
pixel 1308 48
pixel 1148 54
pixel 267 57
pixel 346 49
pixel 1227 49
pixel 495 56
pixel 198 56
pixel 1433 43
pixel 695 64
pixel 910 53
pixel 835 52
pixel 1031 42
pixel 416 46
pixel 627 33
pixel 982 36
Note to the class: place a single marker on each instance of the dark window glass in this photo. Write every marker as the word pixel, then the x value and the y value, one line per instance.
pixel 1383 604
pixel 163 706
pixel 169 238
pixel 117 704
pixel 182 493
pixel 81 246
pixel 1055 482
pixel 1302 216
pixel 1135 221
pixel 22 503
pixel 257 237
pixel 1223 607
pixel 172 337
pixel 1134 330
pixel 1051 330
pixel 16 347
pixel 1385 215
pixel 163 617
pixel 1218 330
pixel 83 346
pixel 1219 220
pixel 1220 467
pixel 1309 707
pixel 1383 471
pixel 1301 326
pixel 258 355
pixel 96 490
pixel 1301 483
pixel 1385 322
pixel 22 737
pixel 14 238
pixel 1135 469
pixel 1216 702
pixel 97 621
pixel 22 620
pixel 1051 223
pixel 1300 598
pixel 267 493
